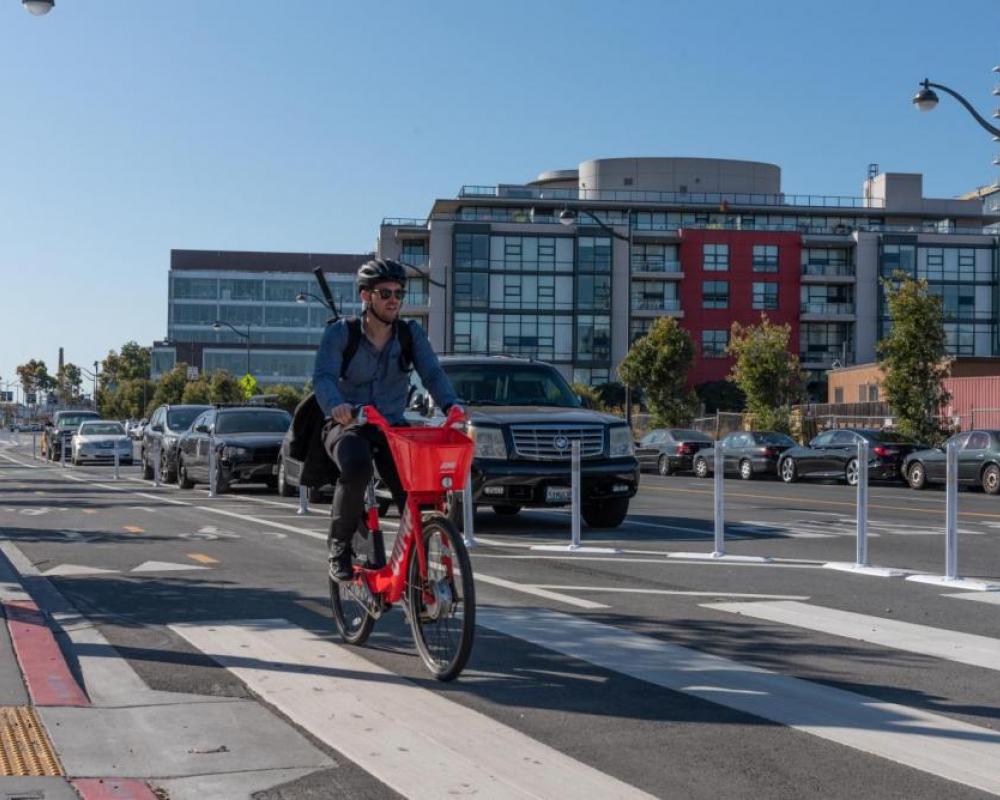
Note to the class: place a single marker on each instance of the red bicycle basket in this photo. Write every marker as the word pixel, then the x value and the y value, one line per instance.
pixel 426 457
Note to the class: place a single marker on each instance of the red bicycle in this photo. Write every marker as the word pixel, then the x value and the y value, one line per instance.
pixel 429 568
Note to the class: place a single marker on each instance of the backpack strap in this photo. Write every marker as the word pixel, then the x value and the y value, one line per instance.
pixel 403 332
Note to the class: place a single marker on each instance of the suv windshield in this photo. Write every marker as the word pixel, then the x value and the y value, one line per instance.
pixel 510 385
pixel 182 418
pixel 74 420
pixel 253 422
pixel 102 429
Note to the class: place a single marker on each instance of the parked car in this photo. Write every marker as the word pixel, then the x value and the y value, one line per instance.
pixel 670 450
pixel 290 471
pixel 99 440
pixel 834 454
pixel 60 433
pixel 246 440
pixel 524 417
pixel 978 462
pixel 746 453
pixel 136 431
pixel 166 425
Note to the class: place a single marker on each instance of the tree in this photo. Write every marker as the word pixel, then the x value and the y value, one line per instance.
pixel 766 371
pixel 129 398
pixel 722 395
pixel 913 357
pixel 68 382
pixel 197 392
pixel 658 364
pixel 589 395
pixel 286 397
pixel 249 385
pixel 34 376
pixel 169 389
pixel 612 394
pixel 224 388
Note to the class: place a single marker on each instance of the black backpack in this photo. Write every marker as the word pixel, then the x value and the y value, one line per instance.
pixel 402 331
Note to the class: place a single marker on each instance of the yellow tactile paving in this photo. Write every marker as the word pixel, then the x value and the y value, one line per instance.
pixel 25 749
pixel 201 558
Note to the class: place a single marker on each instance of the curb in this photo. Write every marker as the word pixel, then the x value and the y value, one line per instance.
pixel 112 789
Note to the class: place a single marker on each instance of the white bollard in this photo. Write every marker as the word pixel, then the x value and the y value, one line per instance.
pixel 951 513
pixel 211 466
pixel 34 446
pixel 574 466
pixel 156 464
pixel 468 512
pixel 62 452
pixel 720 508
pixel 862 517
pixel 116 476
pixel 303 501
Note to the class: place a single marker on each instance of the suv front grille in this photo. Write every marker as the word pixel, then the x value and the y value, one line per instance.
pixel 539 442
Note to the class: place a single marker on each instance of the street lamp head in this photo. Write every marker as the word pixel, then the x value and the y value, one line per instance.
pixel 38 8
pixel 567 217
pixel 925 99
pixel 217 326
pixel 300 297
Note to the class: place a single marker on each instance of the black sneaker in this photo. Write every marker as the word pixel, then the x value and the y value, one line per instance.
pixel 341 561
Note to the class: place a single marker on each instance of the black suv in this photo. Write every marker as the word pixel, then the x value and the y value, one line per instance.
pixel 60 433
pixel 165 428
pixel 523 416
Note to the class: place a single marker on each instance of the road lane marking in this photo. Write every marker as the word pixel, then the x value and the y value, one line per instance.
pixel 380 719
pixel 964 648
pixel 75 569
pixel 928 742
pixel 538 592
pixel 201 558
pixel 661 561
pixel 133 529
pixel 680 592
pixel 980 597
pixel 163 566
pixel 260 521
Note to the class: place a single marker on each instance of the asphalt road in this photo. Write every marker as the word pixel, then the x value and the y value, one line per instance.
pixel 655 669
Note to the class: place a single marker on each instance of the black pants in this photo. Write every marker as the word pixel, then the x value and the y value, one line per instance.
pixel 355 449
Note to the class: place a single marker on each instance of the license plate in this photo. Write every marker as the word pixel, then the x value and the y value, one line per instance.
pixel 557 494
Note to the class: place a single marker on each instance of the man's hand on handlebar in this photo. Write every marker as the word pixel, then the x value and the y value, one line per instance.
pixel 343 414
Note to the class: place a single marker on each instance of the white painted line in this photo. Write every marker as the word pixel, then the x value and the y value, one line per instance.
pixel 267 522
pixel 661 561
pixel 679 592
pixel 992 598
pixel 21 463
pixel 874 572
pixel 728 558
pixel 18 559
pixel 931 743
pixel 537 591
pixel 163 566
pixel 74 569
pixel 380 721
pixel 569 548
pixel 963 648
pixel 968 584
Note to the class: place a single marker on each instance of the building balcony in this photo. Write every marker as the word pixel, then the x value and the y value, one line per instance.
pixel 811 311
pixel 823 358
pixel 658 266
pixel 820 272
pixel 656 307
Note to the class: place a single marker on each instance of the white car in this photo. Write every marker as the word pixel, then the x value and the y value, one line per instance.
pixel 98 440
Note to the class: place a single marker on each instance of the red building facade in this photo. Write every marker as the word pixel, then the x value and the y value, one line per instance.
pixel 736 276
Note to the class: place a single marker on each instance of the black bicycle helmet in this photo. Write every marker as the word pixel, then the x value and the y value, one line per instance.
pixel 380 270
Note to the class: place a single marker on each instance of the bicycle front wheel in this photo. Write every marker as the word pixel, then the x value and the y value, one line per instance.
pixel 443 608
pixel 353 620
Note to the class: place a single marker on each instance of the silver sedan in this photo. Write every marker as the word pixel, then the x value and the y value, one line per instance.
pixel 99 440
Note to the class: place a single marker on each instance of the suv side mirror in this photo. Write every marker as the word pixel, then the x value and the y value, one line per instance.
pixel 201 428
pixel 158 427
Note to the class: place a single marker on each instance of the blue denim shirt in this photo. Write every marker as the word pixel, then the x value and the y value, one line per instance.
pixel 373 377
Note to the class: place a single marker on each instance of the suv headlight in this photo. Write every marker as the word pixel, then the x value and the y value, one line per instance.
pixel 621 441
pixel 489 442
pixel 234 452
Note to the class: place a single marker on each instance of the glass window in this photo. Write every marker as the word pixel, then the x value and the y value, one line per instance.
pixel 593 337
pixel 594 253
pixel 180 419
pixel 715 257
pixel 470 333
pixel 414 251
pixel 978 441
pixel 714 343
pixel 765 295
pixel 715 294
pixel 194 313
pixel 510 384
pixel 287 317
pixel 898 257
pixel 593 292
pixel 765 258
pixel 245 315
pixel 241 289
pixel 823 440
pixel 472 290
pixel 196 288
pixel 262 421
pixel 472 250
pixel 285 291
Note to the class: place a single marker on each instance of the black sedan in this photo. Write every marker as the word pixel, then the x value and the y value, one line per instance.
pixel 978 462
pixel 747 454
pixel 246 441
pixel 670 450
pixel 834 454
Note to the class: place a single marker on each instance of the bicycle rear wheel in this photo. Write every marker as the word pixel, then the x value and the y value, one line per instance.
pixel 353 620
pixel 443 610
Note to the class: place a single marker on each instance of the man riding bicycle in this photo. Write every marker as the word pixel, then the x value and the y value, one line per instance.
pixel 369 369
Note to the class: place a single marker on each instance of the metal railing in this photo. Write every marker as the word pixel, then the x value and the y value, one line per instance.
pixel 655 304
pixel 827 308
pixel 655 265
pixel 682 198
pixel 828 270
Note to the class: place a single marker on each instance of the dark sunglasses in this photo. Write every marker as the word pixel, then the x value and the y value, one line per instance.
pixel 385 294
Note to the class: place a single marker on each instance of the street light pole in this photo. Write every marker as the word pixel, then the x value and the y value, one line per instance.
pixel 926 99
pixel 217 325
pixel 568 217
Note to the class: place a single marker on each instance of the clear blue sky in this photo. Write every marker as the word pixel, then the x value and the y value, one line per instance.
pixel 130 127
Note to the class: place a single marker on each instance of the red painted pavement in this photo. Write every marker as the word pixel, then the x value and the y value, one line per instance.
pixel 112 789
pixel 46 674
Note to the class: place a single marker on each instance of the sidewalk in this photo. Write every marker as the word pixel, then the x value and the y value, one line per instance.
pixel 117 739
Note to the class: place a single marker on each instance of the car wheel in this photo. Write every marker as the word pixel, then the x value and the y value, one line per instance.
pixel 991 479
pixel 221 484
pixel 916 476
pixel 746 470
pixel 284 488
pixel 506 511
pixel 700 467
pixel 168 475
pixel 183 480
pixel 606 514
pixel 663 466
pixel 789 472
pixel 852 472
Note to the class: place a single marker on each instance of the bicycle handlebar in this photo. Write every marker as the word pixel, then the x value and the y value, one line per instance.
pixel 371 415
